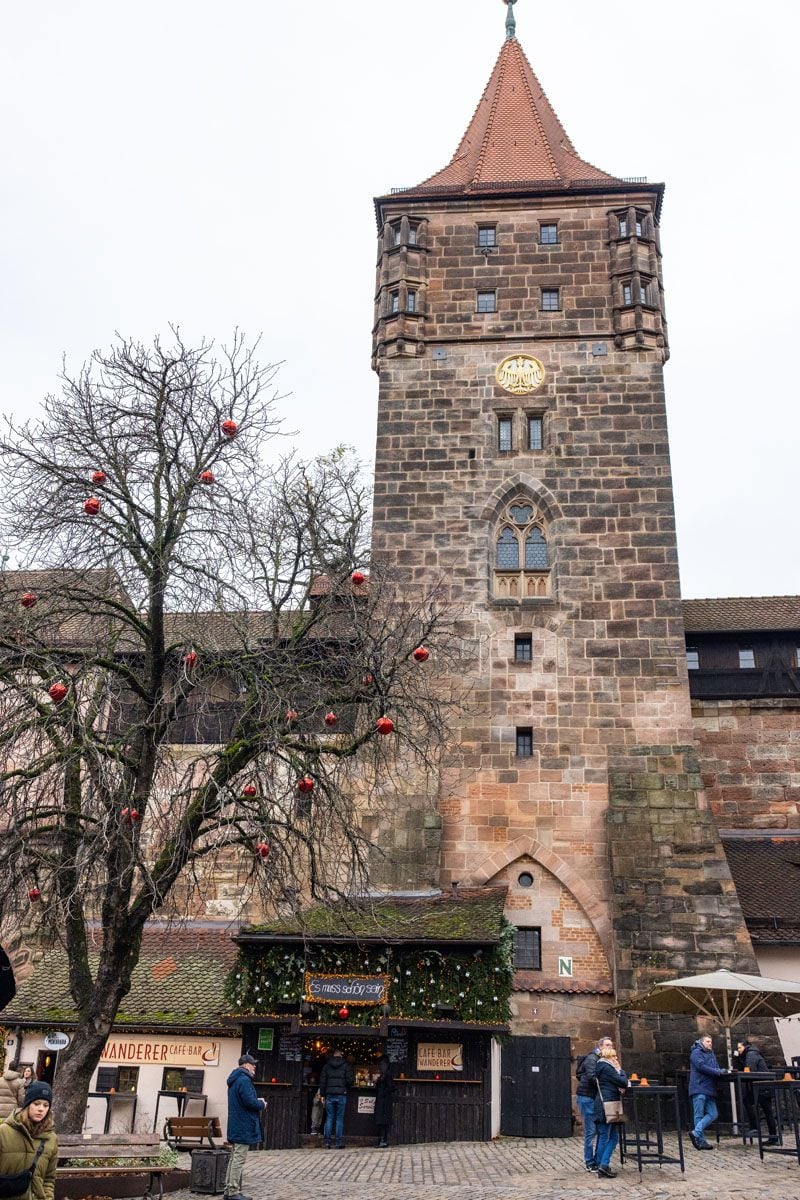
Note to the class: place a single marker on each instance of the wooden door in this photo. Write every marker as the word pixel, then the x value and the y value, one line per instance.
pixel 536 1092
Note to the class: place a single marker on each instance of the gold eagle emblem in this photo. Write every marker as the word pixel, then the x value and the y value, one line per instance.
pixel 520 374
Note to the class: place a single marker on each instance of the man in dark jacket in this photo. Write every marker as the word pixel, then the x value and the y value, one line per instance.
pixel 244 1125
pixel 704 1071
pixel 336 1077
pixel 586 1095
pixel 748 1056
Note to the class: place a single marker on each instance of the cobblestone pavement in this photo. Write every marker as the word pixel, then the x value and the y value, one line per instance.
pixel 512 1169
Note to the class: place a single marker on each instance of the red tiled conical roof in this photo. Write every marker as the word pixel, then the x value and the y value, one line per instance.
pixel 515 136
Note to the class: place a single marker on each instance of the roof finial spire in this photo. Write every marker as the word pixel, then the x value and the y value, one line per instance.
pixel 511 24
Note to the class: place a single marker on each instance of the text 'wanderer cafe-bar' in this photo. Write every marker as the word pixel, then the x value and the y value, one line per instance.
pixel 424 980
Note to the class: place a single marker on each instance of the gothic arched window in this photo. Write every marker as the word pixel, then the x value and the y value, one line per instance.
pixel 521 558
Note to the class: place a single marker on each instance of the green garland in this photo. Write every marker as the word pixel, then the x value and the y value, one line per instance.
pixel 476 984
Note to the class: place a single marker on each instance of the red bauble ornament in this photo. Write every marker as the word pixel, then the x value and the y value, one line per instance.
pixel 135 816
pixel 368 679
pixel 437 1077
pixel 28 599
pixel 249 790
pixel 291 715
pixel 331 719
pixel 57 692
pixel 190 659
pixel 125 814
pixel 357 578
pixel 92 506
pixel 306 784
pixel 344 1012
pixel 99 478
pixel 421 654
pixel 262 849
pixel 274 1079
pixel 384 725
pixel 229 428
pixel 206 476
pixel 34 894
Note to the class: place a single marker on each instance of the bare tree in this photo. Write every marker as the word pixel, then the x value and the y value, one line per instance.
pixel 193 664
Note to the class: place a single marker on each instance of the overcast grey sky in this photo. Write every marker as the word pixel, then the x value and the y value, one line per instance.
pixel 213 163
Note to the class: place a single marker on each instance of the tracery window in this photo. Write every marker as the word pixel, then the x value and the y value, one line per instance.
pixel 521 555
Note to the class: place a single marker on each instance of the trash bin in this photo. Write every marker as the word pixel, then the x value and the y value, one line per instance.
pixel 208 1171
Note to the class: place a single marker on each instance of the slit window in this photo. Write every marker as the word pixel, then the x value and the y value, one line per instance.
pixel 523 647
pixel 487 237
pixel 397 234
pixel 551 299
pixel 548 235
pixel 505 434
pixel 692 658
pixel 528 949
pixel 638 225
pixel 411 302
pixel 394 302
pixel 627 293
pixel 525 743
pixel 643 293
pixel 623 227
pixel 487 302
pixel 747 658
pixel 412 234
pixel 534 433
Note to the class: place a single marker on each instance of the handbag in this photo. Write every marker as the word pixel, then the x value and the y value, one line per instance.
pixel 17 1185
pixel 612 1109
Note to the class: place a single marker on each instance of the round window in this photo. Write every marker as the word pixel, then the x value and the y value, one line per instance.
pixel 525 879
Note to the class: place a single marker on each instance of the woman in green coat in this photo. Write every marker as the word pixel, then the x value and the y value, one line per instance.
pixel 27 1137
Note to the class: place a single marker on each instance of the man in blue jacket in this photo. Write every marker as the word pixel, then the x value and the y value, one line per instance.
pixel 704 1071
pixel 244 1125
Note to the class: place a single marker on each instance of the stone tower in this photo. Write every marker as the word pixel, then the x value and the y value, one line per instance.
pixel 522 458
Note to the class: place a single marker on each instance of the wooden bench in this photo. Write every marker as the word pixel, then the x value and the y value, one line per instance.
pixel 187 1133
pixel 144 1146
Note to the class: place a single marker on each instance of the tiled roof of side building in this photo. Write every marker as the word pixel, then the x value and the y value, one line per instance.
pixel 473 915
pixel 766 871
pixel 735 614
pixel 177 984
pixel 514 136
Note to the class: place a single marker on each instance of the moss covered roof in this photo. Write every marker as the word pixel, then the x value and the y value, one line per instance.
pixel 472 915
pixel 177 984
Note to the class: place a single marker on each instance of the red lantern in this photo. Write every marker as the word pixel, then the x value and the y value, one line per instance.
pixel 384 725
pixel 229 428
pixel 421 654
pixel 57 692
pixel 331 719
pixel 306 784
pixel 357 578
pixel 249 790
pixel 99 478
pixel 344 1012
pixel 190 659
pixel 92 506
pixel 262 849
pixel 28 599
pixel 206 476
pixel 34 894
pixel 291 715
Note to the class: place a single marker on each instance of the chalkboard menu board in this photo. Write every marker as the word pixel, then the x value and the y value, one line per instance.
pixel 396 1045
pixel 290 1047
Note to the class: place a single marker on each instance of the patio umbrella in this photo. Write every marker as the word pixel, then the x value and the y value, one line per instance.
pixel 725 996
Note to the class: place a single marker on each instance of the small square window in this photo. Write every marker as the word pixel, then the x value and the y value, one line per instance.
pixel 747 658
pixel 534 433
pixel 551 300
pixel 692 659
pixel 528 949
pixel 487 302
pixel 623 227
pixel 487 236
pixel 523 647
pixel 411 302
pixel 524 743
pixel 505 434
pixel 548 235
pixel 627 293
pixel 394 302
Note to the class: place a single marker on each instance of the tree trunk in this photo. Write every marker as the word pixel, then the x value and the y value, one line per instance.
pixel 75 1069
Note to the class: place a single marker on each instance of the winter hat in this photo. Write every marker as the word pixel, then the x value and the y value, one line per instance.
pixel 38 1090
pixel 248 1058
